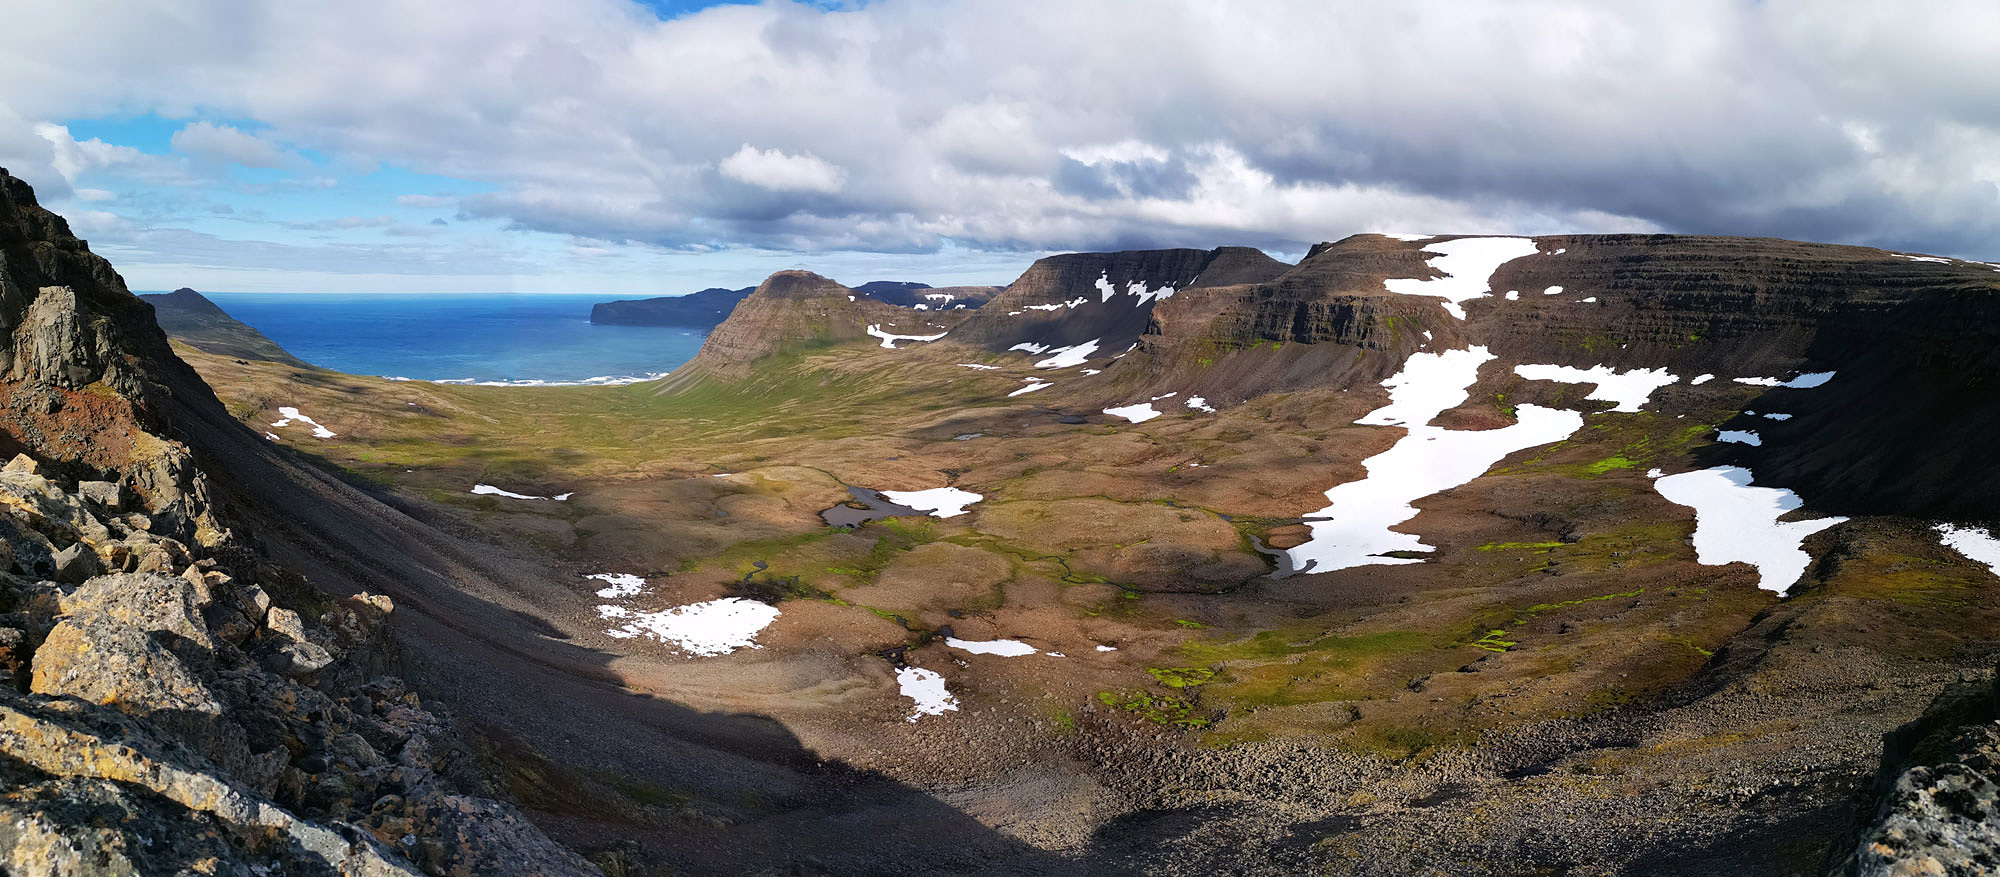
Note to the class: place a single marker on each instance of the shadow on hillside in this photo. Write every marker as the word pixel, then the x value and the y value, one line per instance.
pixel 600 767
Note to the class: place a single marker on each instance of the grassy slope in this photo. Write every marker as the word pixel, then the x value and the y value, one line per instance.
pixel 1570 611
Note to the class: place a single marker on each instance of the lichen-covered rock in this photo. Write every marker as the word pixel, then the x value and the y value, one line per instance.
pixel 66 739
pixel 1939 793
pixel 107 495
pixel 77 563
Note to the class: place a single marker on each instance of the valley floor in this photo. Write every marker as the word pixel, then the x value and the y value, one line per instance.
pixel 1560 687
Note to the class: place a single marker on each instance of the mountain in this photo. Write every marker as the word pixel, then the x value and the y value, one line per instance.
pixel 1106 299
pixel 917 295
pixel 700 310
pixel 798 310
pixel 189 316
pixel 708 308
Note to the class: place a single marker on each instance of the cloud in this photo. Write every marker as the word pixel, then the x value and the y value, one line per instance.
pixel 427 200
pixel 344 223
pixel 779 172
pixel 207 141
pixel 1027 125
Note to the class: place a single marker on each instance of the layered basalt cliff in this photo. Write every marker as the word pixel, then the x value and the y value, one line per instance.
pixel 171 700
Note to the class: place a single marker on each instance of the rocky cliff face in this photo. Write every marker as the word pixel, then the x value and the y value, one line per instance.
pixel 171 701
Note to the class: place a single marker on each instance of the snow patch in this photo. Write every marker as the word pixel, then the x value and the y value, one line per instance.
pixel 622 584
pixel 714 627
pixel 1701 379
pixel 1630 389
pixel 926 689
pixel 1735 522
pixel 1802 382
pixel 1005 648
pixel 889 340
pixel 1407 237
pixel 1468 265
pixel 292 414
pixel 1107 648
pixel 1740 437
pixel 1553 290
pixel 1778 416
pixel 1139 413
pixel 1079 300
pixel 1975 543
pixel 989 368
pixel 1033 385
pixel 1355 527
pixel 1031 347
pixel 1590 300
pixel 941 502
pixel 1199 404
pixel 490 490
pixel 1070 356
pixel 1513 295
pixel 1134 288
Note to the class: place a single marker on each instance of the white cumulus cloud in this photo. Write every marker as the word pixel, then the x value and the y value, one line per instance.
pixel 782 172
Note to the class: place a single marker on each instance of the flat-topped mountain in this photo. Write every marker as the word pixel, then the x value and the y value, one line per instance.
pixel 189 316
pixel 697 310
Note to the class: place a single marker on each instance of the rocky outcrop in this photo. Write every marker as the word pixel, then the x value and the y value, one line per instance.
pixel 88 384
pixel 189 317
pixel 171 701
pixel 171 712
pixel 696 310
pixel 1938 792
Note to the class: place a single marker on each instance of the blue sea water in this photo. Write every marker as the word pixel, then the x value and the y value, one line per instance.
pixel 485 338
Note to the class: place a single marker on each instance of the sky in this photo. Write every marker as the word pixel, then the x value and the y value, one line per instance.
pixel 620 147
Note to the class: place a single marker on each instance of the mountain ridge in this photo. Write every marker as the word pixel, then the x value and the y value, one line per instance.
pixel 191 317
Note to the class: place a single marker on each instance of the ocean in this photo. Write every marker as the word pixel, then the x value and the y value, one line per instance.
pixel 502 338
